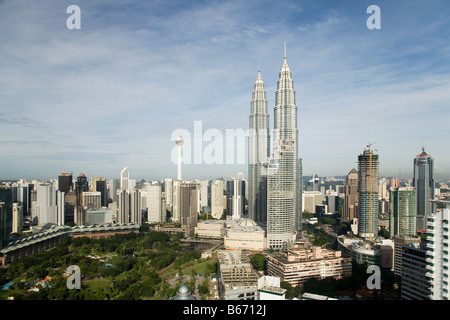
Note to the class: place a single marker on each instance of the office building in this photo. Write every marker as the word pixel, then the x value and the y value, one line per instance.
pixel 113 186
pixel 402 215
pixel 284 179
pixel 99 185
pixel 350 210
pixel 312 199
pixel 187 203
pixel 217 205
pixel 399 242
pixel 424 183
pixel 81 185
pixel 3 232
pixel 45 208
pixel 65 182
pixel 124 178
pixel 17 215
pixel 155 211
pixel 368 169
pixel 258 154
pixel 235 198
pixel 91 199
pixel 204 185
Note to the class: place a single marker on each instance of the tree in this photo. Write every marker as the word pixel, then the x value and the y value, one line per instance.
pixel 259 261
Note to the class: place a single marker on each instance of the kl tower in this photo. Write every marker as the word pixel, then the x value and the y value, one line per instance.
pixel 179 143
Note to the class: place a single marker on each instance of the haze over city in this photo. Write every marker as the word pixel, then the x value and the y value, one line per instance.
pixel 112 93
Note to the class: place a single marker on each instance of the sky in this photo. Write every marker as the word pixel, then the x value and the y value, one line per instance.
pixel 117 91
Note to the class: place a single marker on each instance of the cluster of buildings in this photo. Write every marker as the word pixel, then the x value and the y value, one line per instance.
pixel 262 213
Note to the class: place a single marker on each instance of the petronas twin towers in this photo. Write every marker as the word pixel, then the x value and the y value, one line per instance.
pixel 275 179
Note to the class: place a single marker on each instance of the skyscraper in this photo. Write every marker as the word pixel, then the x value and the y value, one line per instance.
pixel 217 207
pixel 81 185
pixel 402 215
pixel 284 178
pixel 235 198
pixel 99 185
pixel 258 154
pixel 437 256
pixel 187 203
pixel 368 166
pixel 350 210
pixel 124 178
pixel 423 181
pixel 65 183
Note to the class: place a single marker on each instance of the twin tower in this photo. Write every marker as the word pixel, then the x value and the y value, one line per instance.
pixel 275 177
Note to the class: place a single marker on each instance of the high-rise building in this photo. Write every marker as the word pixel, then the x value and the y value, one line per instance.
pixel 92 199
pixel 217 206
pixel 21 195
pixel 284 174
pixel 402 215
pixel 204 194
pixel 368 169
pixel 154 203
pixel 187 203
pixel 17 215
pixel 99 185
pixel 45 208
pixel 350 210
pixel 129 206
pixel 258 153
pixel 113 186
pixel 135 206
pixel 60 208
pixel 70 206
pixel 65 182
pixel 424 183
pixel 3 233
pixel 81 185
pixel 235 198
pixel 123 206
pixel 124 178
pixel 437 252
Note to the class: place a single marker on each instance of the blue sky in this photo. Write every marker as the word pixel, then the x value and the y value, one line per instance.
pixel 112 93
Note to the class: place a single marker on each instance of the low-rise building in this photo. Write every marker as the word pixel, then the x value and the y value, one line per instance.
pixel 299 264
pixel 237 280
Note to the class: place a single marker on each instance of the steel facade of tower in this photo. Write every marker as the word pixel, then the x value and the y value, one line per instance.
pixel 258 153
pixel 424 183
pixel 284 174
pixel 368 169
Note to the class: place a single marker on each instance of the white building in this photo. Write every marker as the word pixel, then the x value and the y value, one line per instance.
pixel 437 252
pixel 153 203
pixel 124 178
pixel 45 208
pixel 270 288
pixel 217 206
pixel 17 216
pixel 92 199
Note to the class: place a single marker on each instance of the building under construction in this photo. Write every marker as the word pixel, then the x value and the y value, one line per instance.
pixel 368 169
pixel 236 278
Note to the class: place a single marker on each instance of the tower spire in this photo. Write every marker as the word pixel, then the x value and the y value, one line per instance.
pixel 285 49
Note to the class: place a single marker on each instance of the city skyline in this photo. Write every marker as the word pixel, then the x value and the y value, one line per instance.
pixel 111 94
